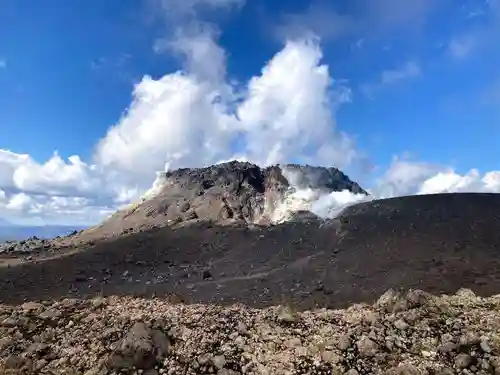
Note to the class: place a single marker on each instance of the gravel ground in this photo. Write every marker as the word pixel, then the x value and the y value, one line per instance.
pixel 297 298
pixel 400 334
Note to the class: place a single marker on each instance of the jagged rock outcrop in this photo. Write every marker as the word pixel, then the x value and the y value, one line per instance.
pixel 225 193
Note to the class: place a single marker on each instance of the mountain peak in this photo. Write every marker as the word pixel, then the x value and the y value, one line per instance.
pixel 227 193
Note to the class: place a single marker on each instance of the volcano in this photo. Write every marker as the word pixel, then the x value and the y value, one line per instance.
pixel 226 194
pixel 220 234
pixel 230 269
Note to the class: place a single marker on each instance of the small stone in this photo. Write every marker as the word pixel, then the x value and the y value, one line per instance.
pixel 5 342
pixel 29 306
pixel 40 364
pixel 427 354
pixel 9 322
pixel 401 324
pixel 485 347
pixel 98 302
pixel 226 371
pixel 469 339
pixel 240 341
pixel 14 362
pixel 495 362
pixel 352 371
pixel 344 342
pixel 447 347
pixel 485 365
pixel 286 315
pixel 466 293
pixel 293 342
pixel 204 358
pixel 36 348
pixel 162 343
pixel 445 371
pixel 417 298
pixel 136 349
pixel 367 347
pixel 328 356
pixel 219 361
pixel 242 328
pixel 387 300
pixel 50 314
pixel 404 369
pixel 463 360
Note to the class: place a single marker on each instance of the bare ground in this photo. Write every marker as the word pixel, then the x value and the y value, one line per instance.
pixel 435 243
pixel 438 244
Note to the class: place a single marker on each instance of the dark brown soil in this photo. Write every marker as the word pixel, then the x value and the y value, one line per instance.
pixel 437 243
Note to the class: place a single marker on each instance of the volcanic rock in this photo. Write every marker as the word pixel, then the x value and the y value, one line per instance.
pixel 225 193
pixel 152 336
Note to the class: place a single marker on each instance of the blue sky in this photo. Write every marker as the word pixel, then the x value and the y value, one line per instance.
pixel 410 84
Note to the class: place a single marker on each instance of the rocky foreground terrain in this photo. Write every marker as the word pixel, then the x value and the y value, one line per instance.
pixel 400 334
pixel 156 290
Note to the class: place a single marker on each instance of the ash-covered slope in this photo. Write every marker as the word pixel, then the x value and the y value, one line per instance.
pixel 437 243
pixel 222 193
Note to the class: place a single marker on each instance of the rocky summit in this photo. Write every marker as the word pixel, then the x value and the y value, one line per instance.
pixel 226 193
pixel 205 275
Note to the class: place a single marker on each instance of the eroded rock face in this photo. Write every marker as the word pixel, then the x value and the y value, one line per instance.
pixel 224 193
pixel 227 193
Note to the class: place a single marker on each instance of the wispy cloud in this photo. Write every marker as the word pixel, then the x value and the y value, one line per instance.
pixel 460 48
pixel 480 36
pixel 191 36
pixel 320 19
pixel 324 20
pixel 3 63
pixel 389 14
pixel 411 69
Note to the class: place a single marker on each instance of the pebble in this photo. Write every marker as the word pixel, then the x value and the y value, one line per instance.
pixel 485 347
pixel 367 347
pixel 401 324
pixel 9 322
pixel 29 306
pixel 293 343
pixel 463 360
pixel 219 361
pixel 344 342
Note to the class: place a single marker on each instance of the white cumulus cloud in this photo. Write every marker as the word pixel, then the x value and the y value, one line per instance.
pixel 188 119
pixel 289 110
pixel 405 177
pixel 196 117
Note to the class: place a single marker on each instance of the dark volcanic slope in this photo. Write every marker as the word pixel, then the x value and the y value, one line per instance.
pixel 437 243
